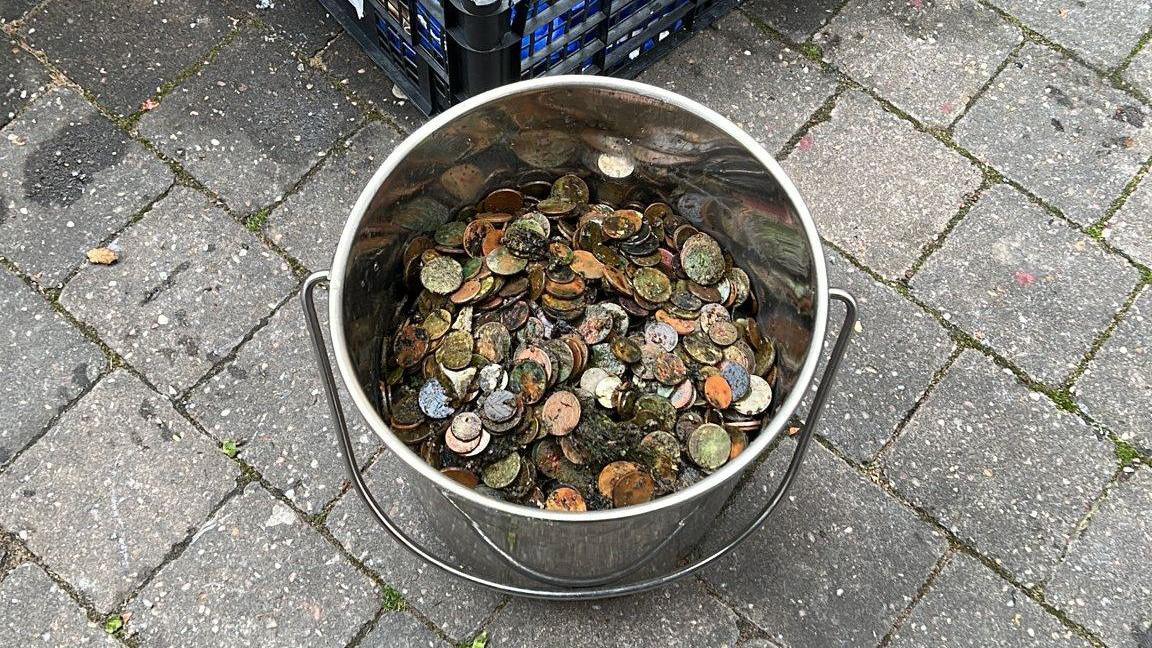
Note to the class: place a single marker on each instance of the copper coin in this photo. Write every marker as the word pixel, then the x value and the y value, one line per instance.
pixel 611 473
pixel 565 498
pixel 587 265
pixel 465 426
pixel 633 488
pixel 561 413
pixel 503 200
pixel 462 476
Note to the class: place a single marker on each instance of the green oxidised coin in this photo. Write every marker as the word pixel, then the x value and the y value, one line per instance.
pixel 709 446
pixel 651 284
pixel 451 234
pixel 702 259
pixel 455 351
pixel 503 472
pixel 441 275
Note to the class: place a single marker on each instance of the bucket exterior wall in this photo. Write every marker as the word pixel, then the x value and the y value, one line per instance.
pixel 704 166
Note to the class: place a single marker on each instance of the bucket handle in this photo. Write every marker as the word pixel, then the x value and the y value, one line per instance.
pixel 608 591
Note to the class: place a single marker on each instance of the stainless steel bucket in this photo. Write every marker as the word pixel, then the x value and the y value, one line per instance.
pixel 713 173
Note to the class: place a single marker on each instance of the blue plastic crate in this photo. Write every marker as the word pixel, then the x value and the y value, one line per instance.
pixel 618 37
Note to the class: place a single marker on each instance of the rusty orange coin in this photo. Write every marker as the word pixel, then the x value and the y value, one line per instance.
pixel 717 391
pixel 565 498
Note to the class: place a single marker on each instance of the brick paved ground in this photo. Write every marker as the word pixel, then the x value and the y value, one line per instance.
pixel 977 168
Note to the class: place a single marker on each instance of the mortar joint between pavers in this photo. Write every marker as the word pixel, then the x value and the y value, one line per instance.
pixel 174 552
pixel 311 521
pixel 982 90
pixel 1058 395
pixel 822 114
pixel 1042 40
pixel 1082 525
pixel 183 176
pixel 746 628
pixel 132 119
pixel 881 479
pixel 15 25
pixel 23 554
pixel 136 217
pixel 1104 335
pixel 1034 592
pixel 218 366
pixel 1132 54
pixel 933 382
pixel 933 574
pixel 967 203
pixel 1097 228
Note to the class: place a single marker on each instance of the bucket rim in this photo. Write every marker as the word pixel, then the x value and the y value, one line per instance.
pixel 730 470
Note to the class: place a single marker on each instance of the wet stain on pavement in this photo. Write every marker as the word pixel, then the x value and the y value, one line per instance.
pixel 57 173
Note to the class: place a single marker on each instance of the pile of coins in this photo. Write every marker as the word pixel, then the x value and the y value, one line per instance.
pixel 571 355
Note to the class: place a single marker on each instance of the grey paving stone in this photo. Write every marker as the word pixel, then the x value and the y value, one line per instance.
pixel 1101 31
pixel 834 566
pixel 683 614
pixel 252 123
pixel 1000 466
pixel 190 284
pixel 309 223
pixel 1139 71
pixel 34 611
pixel 1026 283
pixel 116 482
pixel 22 80
pixel 346 63
pixel 877 187
pixel 1131 228
pixel 894 353
pixel 270 400
pixel 1061 131
pixel 796 19
pixel 1104 582
pixel 254 575
pixel 68 179
pixel 455 607
pixel 402 629
pixel 768 90
pixel 927 58
pixel 14 9
pixel 123 51
pixel 969 605
pixel 46 363
pixel 1116 388
pixel 304 23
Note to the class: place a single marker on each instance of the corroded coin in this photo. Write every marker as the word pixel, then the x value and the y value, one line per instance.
pixel 434 400
pixel 502 472
pixel 441 275
pixel 455 351
pixel 465 426
pixel 565 498
pixel 709 446
pixel 633 488
pixel 758 399
pixel 561 413
pixel 702 259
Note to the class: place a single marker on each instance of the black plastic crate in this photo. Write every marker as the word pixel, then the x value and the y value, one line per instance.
pixel 439 54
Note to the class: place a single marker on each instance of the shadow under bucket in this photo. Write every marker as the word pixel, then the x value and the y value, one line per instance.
pixel 599 128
